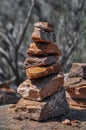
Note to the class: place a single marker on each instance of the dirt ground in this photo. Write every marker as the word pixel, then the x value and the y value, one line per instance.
pixel 8 122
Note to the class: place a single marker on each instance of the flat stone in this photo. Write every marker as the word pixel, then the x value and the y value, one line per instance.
pixel 77 103
pixel 40 35
pixel 45 26
pixel 79 92
pixel 43 49
pixel 78 70
pixel 40 61
pixel 8 98
pixel 7 94
pixel 38 89
pixel 75 87
pixel 54 105
pixel 73 82
pixel 37 72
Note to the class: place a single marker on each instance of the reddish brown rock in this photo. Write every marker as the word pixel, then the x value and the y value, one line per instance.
pixel 37 72
pixel 43 49
pixel 45 26
pixel 39 35
pixel 73 82
pixel 77 103
pixel 38 89
pixel 52 106
pixel 8 98
pixel 75 92
pixel 40 61
pixel 79 92
pixel 7 90
pixel 78 70
pixel 75 87
pixel 8 95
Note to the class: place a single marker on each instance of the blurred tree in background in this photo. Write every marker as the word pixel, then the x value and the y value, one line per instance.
pixel 16 25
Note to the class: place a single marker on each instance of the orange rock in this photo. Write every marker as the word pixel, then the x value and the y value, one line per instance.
pixel 40 35
pixel 40 61
pixel 45 26
pixel 37 72
pixel 38 89
pixel 43 49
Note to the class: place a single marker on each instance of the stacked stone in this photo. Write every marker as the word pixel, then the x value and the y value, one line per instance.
pixel 75 85
pixel 7 94
pixel 43 94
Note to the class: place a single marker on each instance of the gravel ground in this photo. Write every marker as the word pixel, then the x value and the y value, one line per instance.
pixel 8 122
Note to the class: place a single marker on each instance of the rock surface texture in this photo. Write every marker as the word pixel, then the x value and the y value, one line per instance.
pixel 37 72
pixel 40 35
pixel 43 49
pixel 52 106
pixel 40 61
pixel 39 89
pixel 75 85
pixel 45 26
pixel 43 95
pixel 78 70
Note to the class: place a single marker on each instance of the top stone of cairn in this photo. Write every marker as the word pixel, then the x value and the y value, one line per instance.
pixel 45 26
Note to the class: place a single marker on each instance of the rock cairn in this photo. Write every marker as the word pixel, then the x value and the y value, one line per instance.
pixel 75 84
pixel 43 94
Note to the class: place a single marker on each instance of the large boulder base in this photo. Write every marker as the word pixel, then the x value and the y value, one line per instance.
pixel 40 61
pixel 38 89
pixel 45 26
pixel 40 35
pixel 37 72
pixel 52 106
pixel 78 70
pixel 43 49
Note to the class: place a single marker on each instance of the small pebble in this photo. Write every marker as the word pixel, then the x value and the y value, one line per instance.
pixel 66 121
